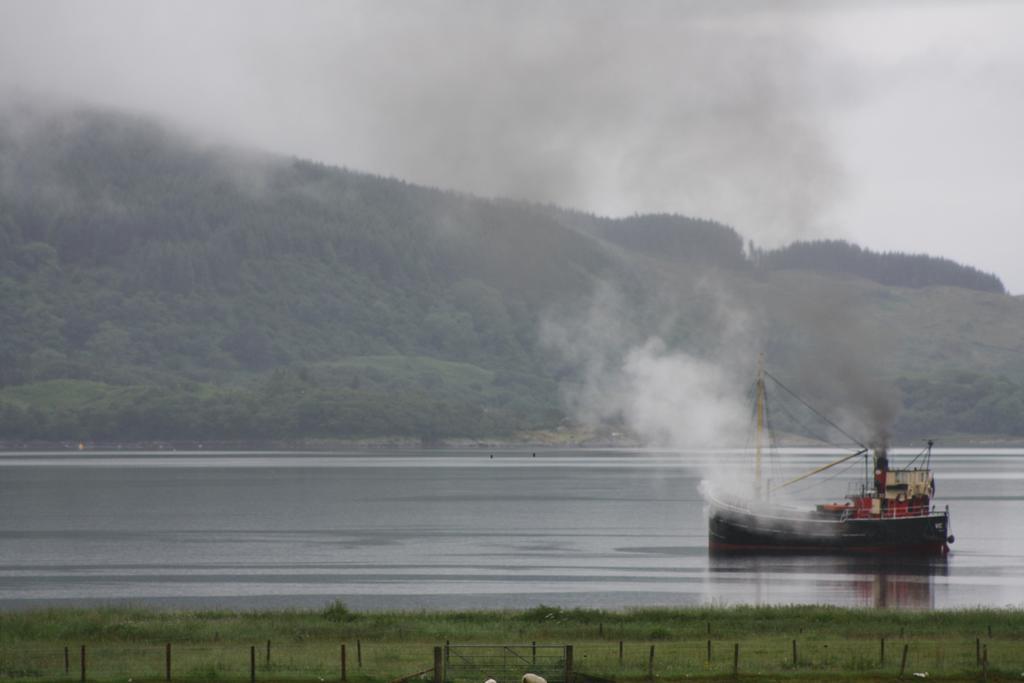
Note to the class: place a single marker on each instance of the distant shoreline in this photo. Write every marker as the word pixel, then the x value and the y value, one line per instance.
pixel 534 440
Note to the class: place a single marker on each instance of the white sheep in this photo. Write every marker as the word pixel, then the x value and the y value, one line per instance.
pixel 533 678
pixel 490 680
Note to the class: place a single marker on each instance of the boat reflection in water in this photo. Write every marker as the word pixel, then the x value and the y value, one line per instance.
pixel 860 581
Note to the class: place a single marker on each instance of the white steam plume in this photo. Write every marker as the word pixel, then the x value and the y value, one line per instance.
pixel 666 396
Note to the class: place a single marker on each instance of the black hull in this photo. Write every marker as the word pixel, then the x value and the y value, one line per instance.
pixel 732 529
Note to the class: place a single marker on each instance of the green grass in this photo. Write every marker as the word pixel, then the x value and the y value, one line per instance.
pixel 832 643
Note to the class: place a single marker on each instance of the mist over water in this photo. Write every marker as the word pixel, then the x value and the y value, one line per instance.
pixel 694 388
pixel 440 529
pixel 667 396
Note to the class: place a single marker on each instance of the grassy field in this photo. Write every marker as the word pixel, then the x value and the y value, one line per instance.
pixel 831 644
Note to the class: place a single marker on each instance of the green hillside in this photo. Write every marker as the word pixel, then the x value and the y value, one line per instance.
pixel 152 287
pixel 951 358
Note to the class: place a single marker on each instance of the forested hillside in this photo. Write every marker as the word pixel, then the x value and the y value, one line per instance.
pixel 152 287
pixel 203 292
pixel 675 238
pixel 897 269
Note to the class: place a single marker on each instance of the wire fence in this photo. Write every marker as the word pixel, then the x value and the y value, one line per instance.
pixel 321 661
pixel 291 661
pixel 506 663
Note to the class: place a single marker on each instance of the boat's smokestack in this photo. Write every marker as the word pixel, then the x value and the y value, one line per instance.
pixel 881 467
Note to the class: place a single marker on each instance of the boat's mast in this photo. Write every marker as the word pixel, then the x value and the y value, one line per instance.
pixel 760 424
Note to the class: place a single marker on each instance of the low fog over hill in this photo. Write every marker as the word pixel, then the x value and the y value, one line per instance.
pixel 155 286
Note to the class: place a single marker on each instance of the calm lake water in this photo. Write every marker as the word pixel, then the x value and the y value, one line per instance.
pixel 444 529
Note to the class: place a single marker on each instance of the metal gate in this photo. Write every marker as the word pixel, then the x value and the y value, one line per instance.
pixel 505 663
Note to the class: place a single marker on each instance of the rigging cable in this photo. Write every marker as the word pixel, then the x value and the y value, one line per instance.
pixel 803 425
pixel 830 422
pixel 814 483
pixel 927 449
pixel 821 469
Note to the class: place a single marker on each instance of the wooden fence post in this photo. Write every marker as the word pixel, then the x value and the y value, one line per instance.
pixel 268 653
pixel 903 663
pixel 359 653
pixel 533 651
pixel 438 665
pixel 650 664
pixel 977 651
pixel 67 660
pixel 344 664
pixel 252 664
pixel 568 664
pixel 620 654
pixel 709 653
pixel 736 659
pixel 83 664
pixel 881 651
pixel 167 662
pixel 794 652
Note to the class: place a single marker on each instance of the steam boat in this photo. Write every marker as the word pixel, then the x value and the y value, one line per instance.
pixel 891 513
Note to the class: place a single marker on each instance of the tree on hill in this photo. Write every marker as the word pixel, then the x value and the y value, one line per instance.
pixel 891 268
pixel 672 237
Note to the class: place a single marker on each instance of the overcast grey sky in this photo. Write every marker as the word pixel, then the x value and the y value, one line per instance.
pixel 893 124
